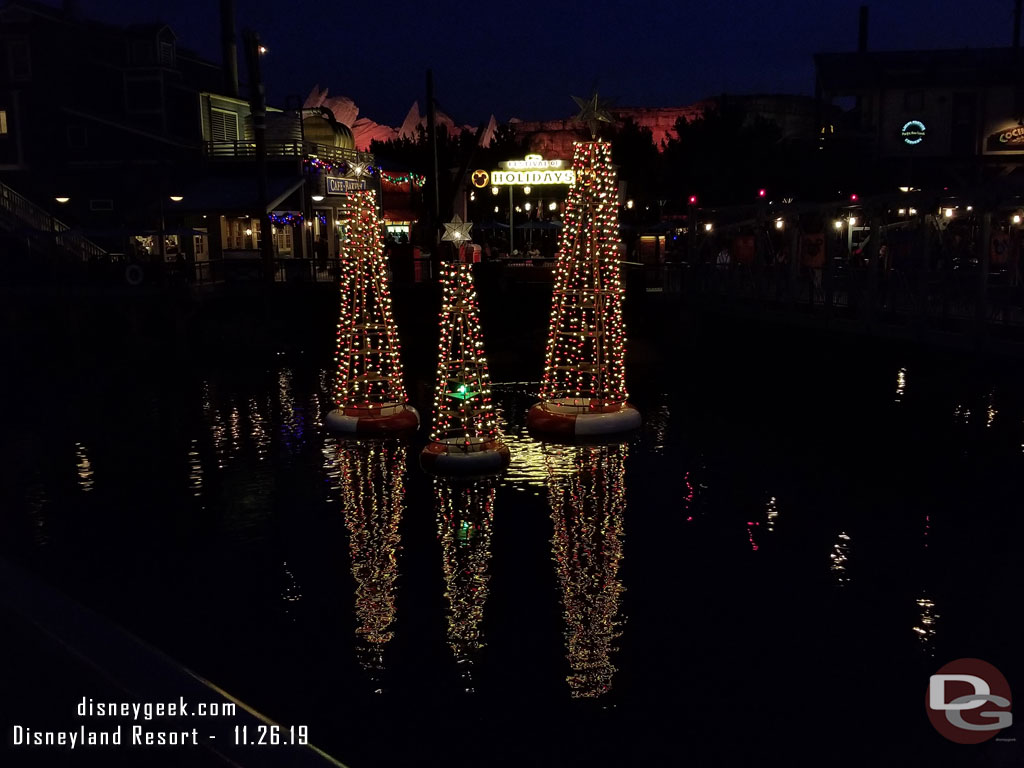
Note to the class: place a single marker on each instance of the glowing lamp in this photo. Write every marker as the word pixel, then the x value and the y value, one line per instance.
pixel 949 213
pixel 707 227
pixel 762 192
pixel 1016 218
pixel 317 198
pixel 693 199
pixel 62 200
pixel 779 224
pixel 839 224
pixel 495 190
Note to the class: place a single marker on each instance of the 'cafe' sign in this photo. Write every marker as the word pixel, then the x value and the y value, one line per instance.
pixel 533 170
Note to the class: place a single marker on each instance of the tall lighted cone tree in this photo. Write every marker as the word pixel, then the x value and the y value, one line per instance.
pixel 369 391
pixel 584 386
pixel 464 434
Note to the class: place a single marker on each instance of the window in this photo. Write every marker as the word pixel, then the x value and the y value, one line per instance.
pixel 3 122
pixel 223 125
pixel 19 60
pixel 166 54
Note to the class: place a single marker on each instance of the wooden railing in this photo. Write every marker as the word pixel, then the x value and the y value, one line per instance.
pixel 41 224
pixel 244 149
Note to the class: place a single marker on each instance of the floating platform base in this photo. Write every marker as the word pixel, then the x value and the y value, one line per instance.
pixel 485 458
pixel 568 419
pixel 380 420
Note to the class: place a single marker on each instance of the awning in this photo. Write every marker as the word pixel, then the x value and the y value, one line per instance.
pixel 233 195
pixel 400 214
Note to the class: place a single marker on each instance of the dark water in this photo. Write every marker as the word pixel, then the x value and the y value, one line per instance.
pixel 767 573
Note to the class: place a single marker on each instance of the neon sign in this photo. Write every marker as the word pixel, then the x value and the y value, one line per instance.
pixel 532 170
pixel 533 178
pixel 913 132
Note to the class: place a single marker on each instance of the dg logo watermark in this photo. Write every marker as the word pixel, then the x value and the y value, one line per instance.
pixel 968 701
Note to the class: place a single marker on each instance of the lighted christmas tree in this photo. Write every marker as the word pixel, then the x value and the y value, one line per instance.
pixel 586 490
pixel 370 479
pixel 464 435
pixel 584 366
pixel 465 514
pixel 369 391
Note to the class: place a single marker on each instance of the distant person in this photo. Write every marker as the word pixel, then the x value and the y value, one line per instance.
pixel 321 249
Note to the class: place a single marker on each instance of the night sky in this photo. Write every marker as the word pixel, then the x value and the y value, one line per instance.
pixel 525 59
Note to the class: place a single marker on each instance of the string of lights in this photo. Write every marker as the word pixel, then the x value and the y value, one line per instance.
pixel 463 408
pixel 369 368
pixel 465 514
pixel 588 499
pixel 585 357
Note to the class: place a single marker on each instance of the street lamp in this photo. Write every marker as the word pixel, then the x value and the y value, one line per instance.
pixel 62 200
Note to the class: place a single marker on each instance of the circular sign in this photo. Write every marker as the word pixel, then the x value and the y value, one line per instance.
pixel 913 132
pixel 480 179
pixel 968 701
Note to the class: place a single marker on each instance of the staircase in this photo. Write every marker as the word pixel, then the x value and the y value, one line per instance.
pixel 39 231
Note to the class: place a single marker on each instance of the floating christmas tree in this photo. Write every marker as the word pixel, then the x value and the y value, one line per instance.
pixel 369 477
pixel 465 514
pixel 583 391
pixel 369 392
pixel 586 490
pixel 464 436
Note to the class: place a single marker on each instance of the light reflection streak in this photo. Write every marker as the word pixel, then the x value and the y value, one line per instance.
pixel 839 556
pixel 773 514
pixel 901 384
pixel 925 629
pixel 195 471
pixel 587 494
pixel 85 473
pixel 371 483
pixel 291 593
pixel 991 411
pixel 465 515
pixel 962 414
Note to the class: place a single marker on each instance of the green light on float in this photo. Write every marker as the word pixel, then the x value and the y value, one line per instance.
pixel 463 393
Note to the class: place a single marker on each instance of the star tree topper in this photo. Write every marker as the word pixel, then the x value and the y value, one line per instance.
pixel 593 112
pixel 456 231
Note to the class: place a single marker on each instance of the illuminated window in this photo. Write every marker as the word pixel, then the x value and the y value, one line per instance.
pixel 3 122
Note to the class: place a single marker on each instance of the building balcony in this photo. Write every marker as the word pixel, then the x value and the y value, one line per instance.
pixel 245 149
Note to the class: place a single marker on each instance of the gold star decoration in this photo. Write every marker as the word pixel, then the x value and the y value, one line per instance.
pixel 593 112
pixel 356 170
pixel 456 231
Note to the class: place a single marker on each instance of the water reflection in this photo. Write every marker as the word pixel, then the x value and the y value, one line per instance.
pixel 925 628
pixel 84 468
pixel 656 423
pixel 587 494
pixel 901 384
pixel 773 514
pixel 195 471
pixel 839 556
pixel 527 469
pixel 371 483
pixel 465 515
pixel 961 414
pixel 991 412
pixel 291 592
